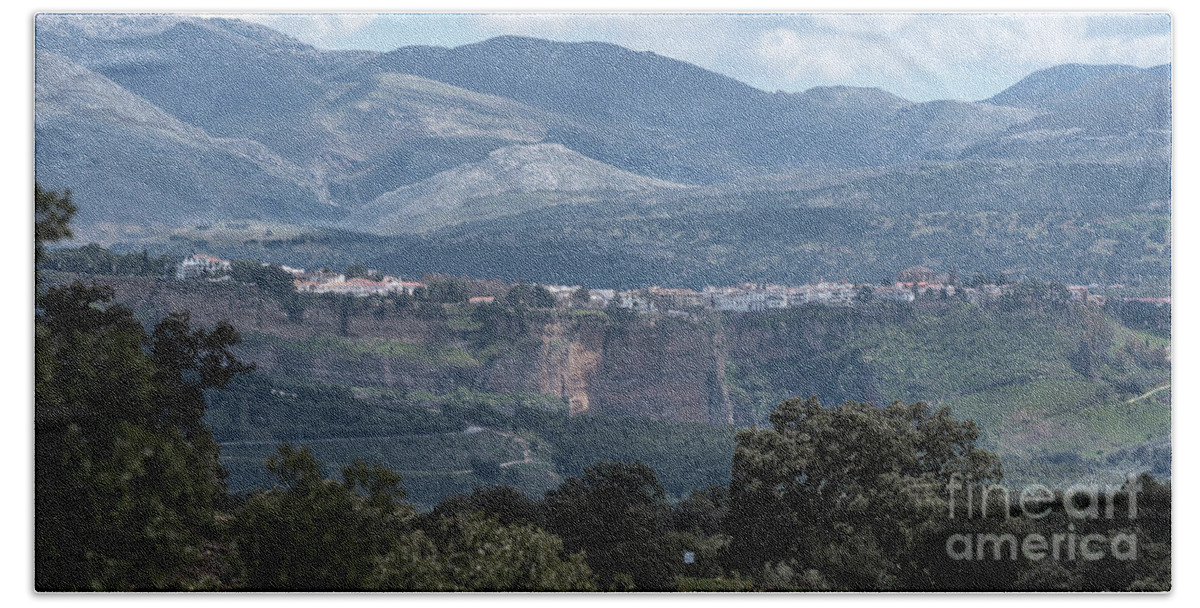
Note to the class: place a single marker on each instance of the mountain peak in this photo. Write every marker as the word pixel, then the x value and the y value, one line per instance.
pixel 515 178
pixel 586 79
pixel 1038 89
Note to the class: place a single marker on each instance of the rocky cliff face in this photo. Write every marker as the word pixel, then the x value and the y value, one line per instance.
pixel 570 362
pixel 661 368
pixel 670 369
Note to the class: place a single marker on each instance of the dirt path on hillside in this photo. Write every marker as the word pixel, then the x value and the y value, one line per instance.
pixel 1149 392
pixel 527 452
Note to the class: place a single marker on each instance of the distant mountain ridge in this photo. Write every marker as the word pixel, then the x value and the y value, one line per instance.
pixel 128 160
pixel 230 119
pixel 1041 88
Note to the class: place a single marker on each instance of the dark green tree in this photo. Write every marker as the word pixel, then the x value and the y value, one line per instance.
pixel 470 552
pixel 127 474
pixel 507 504
pixel 531 296
pixel 52 212
pixel 273 280
pixel 312 533
pixel 864 294
pixel 841 496
pixel 617 514
pixel 355 271
pixel 446 290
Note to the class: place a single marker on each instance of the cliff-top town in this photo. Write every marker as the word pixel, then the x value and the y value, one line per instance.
pixel 746 297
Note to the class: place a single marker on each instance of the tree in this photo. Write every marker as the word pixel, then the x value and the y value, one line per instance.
pixel 52 211
pixel 446 290
pixel 497 322
pixel 864 294
pixel 846 492
pixel 531 296
pixel 505 503
pixel 702 512
pixel 470 552
pixel 311 533
pixel 1096 336
pixel 355 271
pixel 273 280
pixel 127 474
pixel 94 259
pixel 617 514
pixel 189 361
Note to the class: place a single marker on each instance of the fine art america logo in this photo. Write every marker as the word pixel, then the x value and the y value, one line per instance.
pixel 1080 503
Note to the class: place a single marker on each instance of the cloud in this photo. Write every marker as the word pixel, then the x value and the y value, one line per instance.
pixel 329 30
pixel 945 55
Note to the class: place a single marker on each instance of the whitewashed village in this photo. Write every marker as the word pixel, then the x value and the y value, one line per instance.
pixel 909 284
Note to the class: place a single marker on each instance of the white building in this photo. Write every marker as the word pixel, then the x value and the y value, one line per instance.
pixel 740 300
pixel 360 287
pixel 840 293
pixel 601 297
pixel 679 299
pixel 775 298
pixel 561 293
pixel 894 294
pixel 635 300
pixel 199 265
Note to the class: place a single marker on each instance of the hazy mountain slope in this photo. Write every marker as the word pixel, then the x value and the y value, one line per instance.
pixel 654 115
pixel 590 80
pixel 822 127
pixel 1044 89
pixel 1111 99
pixel 1082 222
pixel 360 132
pixel 533 176
pixel 231 78
pixel 353 126
pixel 937 130
pixel 404 128
pixel 1088 112
pixel 372 114
pixel 627 105
pixel 127 160
pixel 650 105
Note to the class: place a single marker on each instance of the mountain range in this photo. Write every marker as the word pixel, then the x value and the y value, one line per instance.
pixel 173 120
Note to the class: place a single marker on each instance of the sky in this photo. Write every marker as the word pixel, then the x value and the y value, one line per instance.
pixel 919 56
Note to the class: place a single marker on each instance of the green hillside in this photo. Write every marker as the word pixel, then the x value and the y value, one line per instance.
pixel 1023 376
pixel 1058 392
